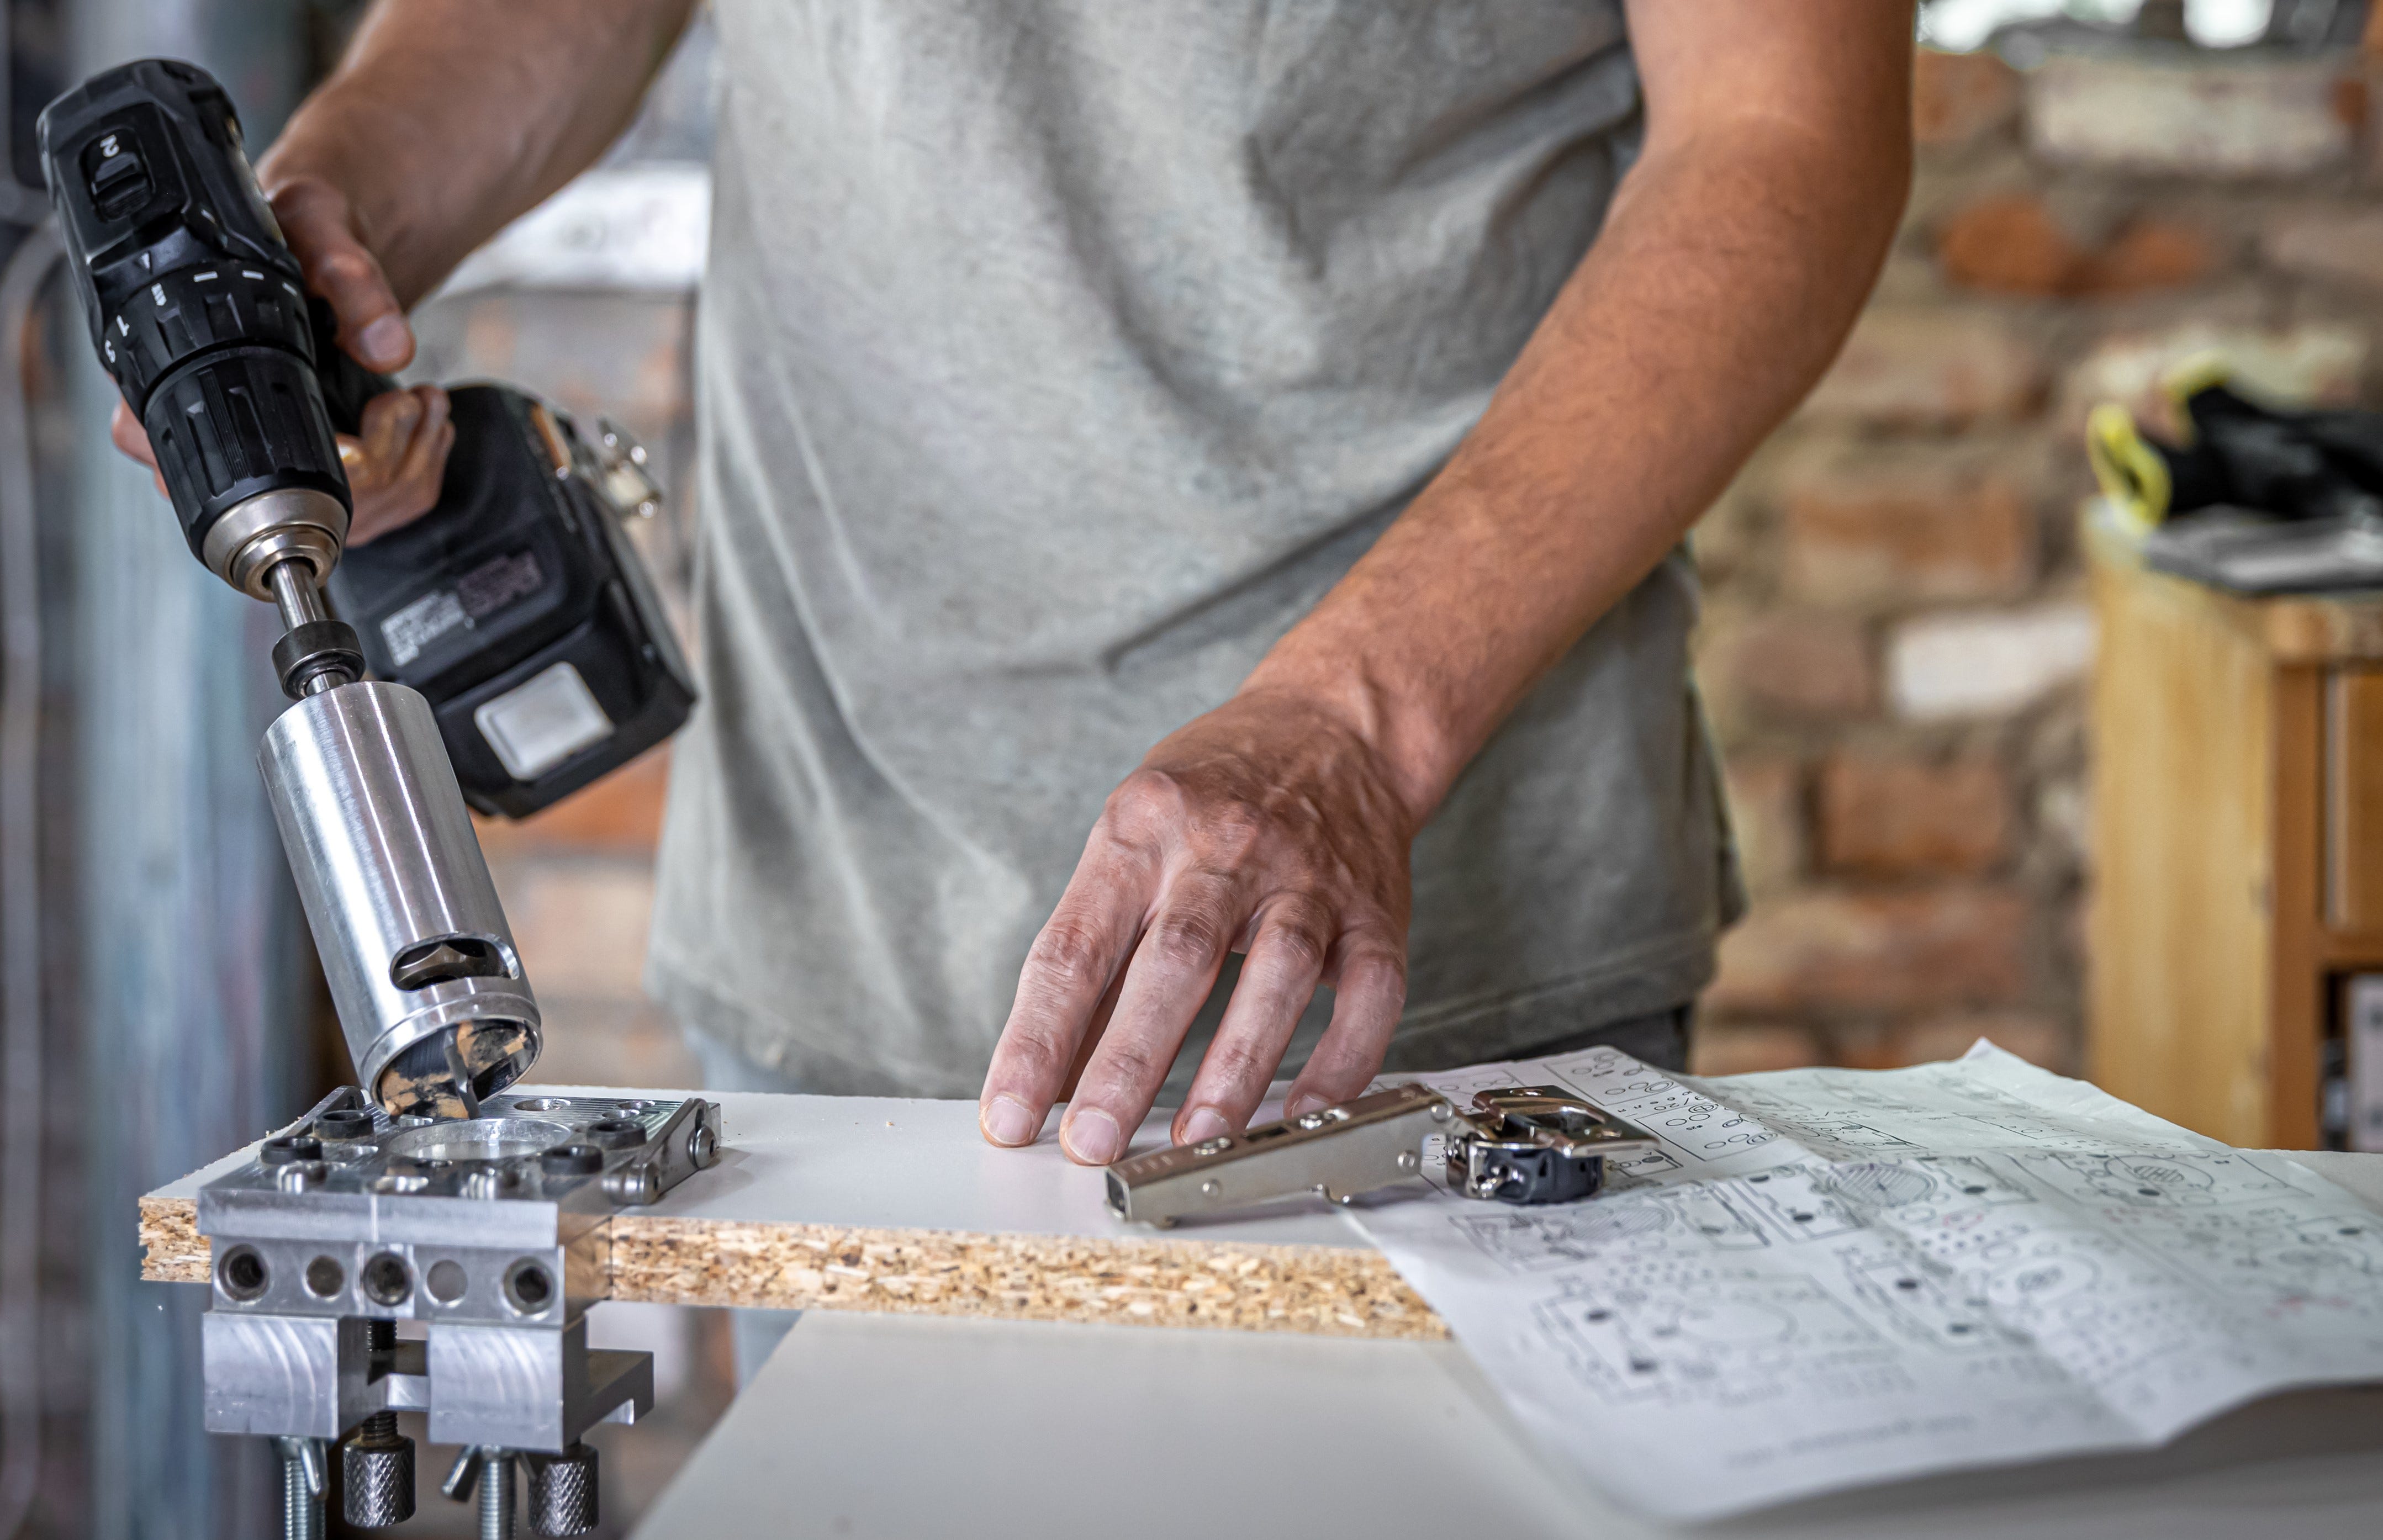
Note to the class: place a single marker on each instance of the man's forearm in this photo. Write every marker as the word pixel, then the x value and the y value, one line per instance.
pixel 1731 264
pixel 448 118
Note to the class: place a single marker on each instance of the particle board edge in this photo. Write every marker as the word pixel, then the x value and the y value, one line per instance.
pixel 1164 1281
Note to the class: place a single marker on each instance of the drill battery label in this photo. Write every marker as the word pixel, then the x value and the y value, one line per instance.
pixel 491 585
pixel 422 623
pixel 479 594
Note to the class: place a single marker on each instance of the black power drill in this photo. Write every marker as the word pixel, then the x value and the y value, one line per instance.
pixel 517 605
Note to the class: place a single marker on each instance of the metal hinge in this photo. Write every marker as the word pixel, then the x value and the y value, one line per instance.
pixel 1525 1144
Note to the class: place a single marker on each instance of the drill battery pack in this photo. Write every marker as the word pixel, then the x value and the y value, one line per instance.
pixel 519 608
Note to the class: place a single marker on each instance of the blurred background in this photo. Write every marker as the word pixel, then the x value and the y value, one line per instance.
pixel 1895 653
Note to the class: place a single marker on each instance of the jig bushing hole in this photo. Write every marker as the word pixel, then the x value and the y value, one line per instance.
pixel 289 1149
pixel 529 1288
pixel 326 1277
pixel 345 1123
pixel 387 1279
pixel 243 1274
pixel 446 1282
pixel 572 1160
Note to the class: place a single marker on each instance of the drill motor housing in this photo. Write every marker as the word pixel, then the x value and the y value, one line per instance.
pixel 195 306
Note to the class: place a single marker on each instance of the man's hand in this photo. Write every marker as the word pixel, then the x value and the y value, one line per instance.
pixel 1729 267
pixel 394 465
pixel 1270 827
pixel 445 119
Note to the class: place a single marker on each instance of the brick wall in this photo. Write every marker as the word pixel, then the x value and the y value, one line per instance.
pixel 1896 634
pixel 1895 637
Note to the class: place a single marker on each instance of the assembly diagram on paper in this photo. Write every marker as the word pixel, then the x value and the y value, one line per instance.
pixel 1828 1277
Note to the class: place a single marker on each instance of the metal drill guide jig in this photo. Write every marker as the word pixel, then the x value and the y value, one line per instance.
pixel 490 1230
pixel 1526 1145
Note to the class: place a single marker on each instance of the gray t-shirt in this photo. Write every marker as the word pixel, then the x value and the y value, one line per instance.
pixel 1055 357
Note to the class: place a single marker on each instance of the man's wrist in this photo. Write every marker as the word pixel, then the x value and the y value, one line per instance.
pixel 1412 747
pixel 323 142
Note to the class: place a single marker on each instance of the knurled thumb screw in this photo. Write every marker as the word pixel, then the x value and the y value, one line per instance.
pixel 377 1473
pixel 562 1490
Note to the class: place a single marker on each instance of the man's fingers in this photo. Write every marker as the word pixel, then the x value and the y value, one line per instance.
pixel 1068 970
pixel 425 460
pixel 1262 825
pixel 396 468
pixel 1091 1041
pixel 426 467
pixel 1170 976
pixel 130 438
pixel 1278 977
pixel 318 224
pixel 1369 992
pixel 128 435
pixel 387 429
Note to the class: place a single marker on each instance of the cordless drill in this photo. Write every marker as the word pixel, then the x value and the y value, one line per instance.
pixel 520 648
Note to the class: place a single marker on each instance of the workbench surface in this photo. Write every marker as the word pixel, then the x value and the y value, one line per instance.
pixel 843 1202
pixel 901 1428
pixel 900 1425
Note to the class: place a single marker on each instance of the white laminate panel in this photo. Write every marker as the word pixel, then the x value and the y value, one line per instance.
pixel 923 1165
pixel 903 1166
pixel 188 1187
pixel 918 1165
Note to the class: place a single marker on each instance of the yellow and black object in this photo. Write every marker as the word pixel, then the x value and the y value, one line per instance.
pixel 2237 453
pixel 2253 498
pixel 2132 470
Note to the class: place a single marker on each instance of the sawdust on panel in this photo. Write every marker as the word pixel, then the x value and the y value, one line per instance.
pixel 172 1250
pixel 1324 1290
pixel 1328 1290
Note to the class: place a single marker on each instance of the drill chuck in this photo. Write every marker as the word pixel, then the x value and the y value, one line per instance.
pixel 198 310
pixel 429 991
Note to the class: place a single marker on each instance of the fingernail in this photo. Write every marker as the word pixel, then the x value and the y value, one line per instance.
pixel 1006 1120
pixel 384 342
pixel 1090 1136
pixel 1204 1123
pixel 1306 1102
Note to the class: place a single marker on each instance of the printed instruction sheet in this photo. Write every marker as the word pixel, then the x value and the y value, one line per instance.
pixel 1825 1278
